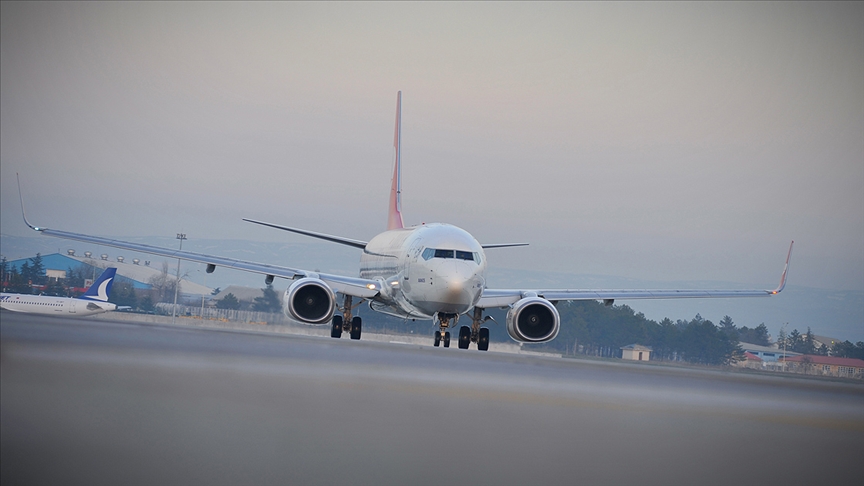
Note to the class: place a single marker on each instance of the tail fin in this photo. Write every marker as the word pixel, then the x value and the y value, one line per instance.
pixel 100 288
pixel 785 270
pixel 394 220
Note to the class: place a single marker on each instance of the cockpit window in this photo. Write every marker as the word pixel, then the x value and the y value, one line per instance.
pixel 464 255
pixel 443 253
pixel 430 253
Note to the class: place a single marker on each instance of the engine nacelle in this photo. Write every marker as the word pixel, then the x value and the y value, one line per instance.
pixel 533 320
pixel 309 300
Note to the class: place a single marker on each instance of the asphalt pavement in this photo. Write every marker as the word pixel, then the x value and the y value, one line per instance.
pixel 86 401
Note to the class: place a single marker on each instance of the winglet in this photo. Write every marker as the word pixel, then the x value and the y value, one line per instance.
pixel 21 198
pixel 100 288
pixel 394 220
pixel 785 269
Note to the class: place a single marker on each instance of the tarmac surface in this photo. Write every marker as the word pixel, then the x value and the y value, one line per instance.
pixel 117 402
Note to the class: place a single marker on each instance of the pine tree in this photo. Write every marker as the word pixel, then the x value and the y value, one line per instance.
pixel 269 302
pixel 37 270
pixel 228 302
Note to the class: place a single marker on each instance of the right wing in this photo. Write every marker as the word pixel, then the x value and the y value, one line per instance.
pixel 506 297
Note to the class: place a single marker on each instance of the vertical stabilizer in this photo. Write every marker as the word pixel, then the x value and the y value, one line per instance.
pixel 100 288
pixel 394 220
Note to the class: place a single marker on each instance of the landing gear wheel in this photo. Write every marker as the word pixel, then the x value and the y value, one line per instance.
pixel 447 339
pixel 356 327
pixel 464 337
pixel 336 328
pixel 437 338
pixel 483 339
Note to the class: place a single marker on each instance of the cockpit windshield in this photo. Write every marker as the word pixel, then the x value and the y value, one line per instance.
pixel 430 253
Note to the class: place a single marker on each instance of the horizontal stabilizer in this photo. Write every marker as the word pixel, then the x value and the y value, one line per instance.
pixel 502 245
pixel 334 239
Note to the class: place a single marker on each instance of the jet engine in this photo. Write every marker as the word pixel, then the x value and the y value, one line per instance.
pixel 533 320
pixel 309 300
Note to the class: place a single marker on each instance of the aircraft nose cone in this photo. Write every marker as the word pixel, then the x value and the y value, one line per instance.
pixel 462 286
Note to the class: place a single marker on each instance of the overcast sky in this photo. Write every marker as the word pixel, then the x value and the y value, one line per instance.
pixel 673 141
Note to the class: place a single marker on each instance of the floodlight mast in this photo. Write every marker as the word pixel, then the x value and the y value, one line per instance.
pixel 181 237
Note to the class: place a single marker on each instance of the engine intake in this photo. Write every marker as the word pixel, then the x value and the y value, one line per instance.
pixel 533 320
pixel 309 300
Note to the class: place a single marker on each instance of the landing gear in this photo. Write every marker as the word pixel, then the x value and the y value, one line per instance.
pixel 345 322
pixel 475 333
pixel 443 324
pixel 442 336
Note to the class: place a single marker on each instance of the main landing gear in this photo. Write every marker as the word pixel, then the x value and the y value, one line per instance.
pixel 345 322
pixel 467 335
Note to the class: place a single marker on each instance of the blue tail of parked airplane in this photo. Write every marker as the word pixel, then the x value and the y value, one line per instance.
pixel 100 288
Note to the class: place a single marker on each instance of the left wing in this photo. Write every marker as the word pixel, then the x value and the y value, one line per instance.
pixel 355 287
pixel 506 297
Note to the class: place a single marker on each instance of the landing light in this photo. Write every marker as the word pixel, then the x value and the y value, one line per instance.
pixel 370 286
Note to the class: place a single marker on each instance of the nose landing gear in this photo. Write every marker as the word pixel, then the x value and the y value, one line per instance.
pixel 443 335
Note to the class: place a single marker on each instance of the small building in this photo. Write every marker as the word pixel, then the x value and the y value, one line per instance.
pixel 750 361
pixel 636 352
pixel 768 354
pixel 825 365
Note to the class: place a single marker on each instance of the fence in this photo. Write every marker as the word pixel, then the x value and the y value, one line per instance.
pixel 250 317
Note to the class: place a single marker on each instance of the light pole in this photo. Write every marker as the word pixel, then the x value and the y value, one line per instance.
pixel 202 296
pixel 783 328
pixel 181 237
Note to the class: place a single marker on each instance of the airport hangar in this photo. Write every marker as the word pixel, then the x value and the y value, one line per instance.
pixel 135 272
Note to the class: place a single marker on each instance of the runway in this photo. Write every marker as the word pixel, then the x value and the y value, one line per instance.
pixel 108 402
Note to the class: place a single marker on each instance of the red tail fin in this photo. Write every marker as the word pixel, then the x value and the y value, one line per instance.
pixel 394 220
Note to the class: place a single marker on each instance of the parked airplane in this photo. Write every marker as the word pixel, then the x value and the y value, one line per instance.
pixel 93 301
pixel 430 271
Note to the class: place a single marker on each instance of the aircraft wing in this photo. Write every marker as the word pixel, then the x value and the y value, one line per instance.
pixel 506 297
pixel 357 287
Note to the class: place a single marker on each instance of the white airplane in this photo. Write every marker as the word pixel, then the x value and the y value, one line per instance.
pixel 93 301
pixel 430 271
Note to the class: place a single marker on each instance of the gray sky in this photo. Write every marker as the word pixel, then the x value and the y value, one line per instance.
pixel 673 141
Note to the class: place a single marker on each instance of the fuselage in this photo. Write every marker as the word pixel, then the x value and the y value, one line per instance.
pixel 43 304
pixel 424 270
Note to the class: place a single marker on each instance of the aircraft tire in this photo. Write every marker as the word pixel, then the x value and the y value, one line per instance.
pixel 356 327
pixel 437 338
pixel 483 339
pixel 464 337
pixel 447 339
pixel 336 327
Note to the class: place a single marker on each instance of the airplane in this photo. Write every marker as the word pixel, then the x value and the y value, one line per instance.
pixel 93 301
pixel 431 271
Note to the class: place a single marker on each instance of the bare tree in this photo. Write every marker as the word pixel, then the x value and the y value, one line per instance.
pixel 163 285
